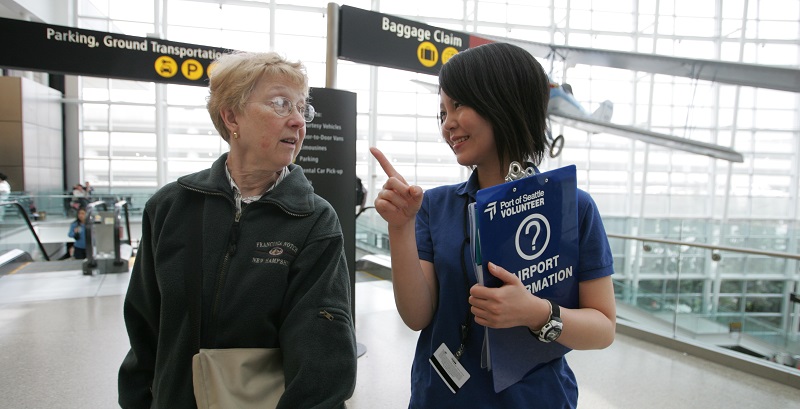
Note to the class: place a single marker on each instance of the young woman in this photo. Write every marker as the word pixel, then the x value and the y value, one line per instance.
pixel 493 102
pixel 77 230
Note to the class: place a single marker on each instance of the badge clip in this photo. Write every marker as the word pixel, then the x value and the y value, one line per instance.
pixel 516 171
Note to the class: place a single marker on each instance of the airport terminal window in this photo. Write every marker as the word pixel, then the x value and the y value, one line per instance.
pixel 127 173
pixel 94 117
pixel 95 89
pixel 194 14
pixel 98 169
pixel 126 145
pixel 193 120
pixel 675 195
pixel 128 10
pixel 453 9
pixel 132 118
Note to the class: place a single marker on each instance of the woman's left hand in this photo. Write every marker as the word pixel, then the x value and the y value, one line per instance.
pixel 510 305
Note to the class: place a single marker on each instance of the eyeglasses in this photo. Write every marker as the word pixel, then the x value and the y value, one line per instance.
pixel 283 107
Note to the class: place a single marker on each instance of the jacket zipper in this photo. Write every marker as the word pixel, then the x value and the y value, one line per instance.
pixel 232 245
pixel 232 241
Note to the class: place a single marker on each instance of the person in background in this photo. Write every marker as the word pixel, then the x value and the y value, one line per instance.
pixel 88 191
pixel 493 103
pixel 271 253
pixel 77 230
pixel 5 191
pixel 79 199
pixel 33 211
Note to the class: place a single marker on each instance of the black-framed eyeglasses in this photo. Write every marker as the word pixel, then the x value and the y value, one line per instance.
pixel 283 107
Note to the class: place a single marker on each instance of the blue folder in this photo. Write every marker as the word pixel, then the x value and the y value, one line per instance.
pixel 529 227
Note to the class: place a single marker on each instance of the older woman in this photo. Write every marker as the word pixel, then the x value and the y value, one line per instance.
pixel 264 253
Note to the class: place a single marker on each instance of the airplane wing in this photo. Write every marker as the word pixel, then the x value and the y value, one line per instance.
pixel 673 142
pixel 586 123
pixel 750 75
pixel 433 88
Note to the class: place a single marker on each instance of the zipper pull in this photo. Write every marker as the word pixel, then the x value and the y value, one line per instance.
pixel 326 314
pixel 234 237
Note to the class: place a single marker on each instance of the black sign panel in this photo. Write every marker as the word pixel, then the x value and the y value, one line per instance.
pixel 68 50
pixel 380 39
pixel 328 158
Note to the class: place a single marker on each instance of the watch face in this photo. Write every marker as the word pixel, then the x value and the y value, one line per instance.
pixel 553 330
pixel 553 334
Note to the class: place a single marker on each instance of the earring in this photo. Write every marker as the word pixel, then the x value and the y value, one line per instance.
pixel 235 135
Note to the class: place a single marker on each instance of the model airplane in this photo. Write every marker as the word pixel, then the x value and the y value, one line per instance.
pixel 563 108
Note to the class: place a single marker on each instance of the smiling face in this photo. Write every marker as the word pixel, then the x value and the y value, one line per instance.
pixel 267 141
pixel 469 135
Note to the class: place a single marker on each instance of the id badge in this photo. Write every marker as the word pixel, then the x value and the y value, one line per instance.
pixel 449 369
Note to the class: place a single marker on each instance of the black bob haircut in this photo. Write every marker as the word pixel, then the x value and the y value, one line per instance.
pixel 505 85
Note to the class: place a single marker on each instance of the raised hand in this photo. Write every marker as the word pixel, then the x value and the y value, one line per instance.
pixel 397 202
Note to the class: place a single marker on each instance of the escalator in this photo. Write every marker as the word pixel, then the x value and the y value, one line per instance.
pixel 108 241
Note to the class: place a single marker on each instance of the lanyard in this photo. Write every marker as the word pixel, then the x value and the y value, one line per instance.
pixel 465 326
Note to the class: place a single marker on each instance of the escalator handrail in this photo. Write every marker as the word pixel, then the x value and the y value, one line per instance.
pixel 122 203
pixel 30 226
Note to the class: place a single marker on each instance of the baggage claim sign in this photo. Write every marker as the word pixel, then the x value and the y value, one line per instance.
pixel 373 38
pixel 69 50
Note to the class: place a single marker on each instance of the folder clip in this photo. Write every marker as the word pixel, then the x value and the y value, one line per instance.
pixel 516 171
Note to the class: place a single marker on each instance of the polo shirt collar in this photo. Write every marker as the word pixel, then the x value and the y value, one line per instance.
pixel 471 187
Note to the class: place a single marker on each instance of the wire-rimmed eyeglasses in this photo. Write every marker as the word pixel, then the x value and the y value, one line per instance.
pixel 283 107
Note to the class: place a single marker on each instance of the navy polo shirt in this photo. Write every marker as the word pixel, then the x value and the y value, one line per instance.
pixel 441 230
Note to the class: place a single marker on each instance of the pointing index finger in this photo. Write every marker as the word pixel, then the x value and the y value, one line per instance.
pixel 387 167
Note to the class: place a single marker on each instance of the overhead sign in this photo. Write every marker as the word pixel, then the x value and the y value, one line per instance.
pixel 75 51
pixel 374 38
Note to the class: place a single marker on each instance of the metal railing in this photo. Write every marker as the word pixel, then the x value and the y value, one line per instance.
pixel 94 217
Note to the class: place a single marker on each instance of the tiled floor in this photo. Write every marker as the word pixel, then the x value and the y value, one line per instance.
pixel 62 338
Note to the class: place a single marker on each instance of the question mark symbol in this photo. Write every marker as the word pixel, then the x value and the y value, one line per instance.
pixel 535 235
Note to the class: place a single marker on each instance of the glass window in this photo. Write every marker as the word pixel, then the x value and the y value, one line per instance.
pixel 677 195
pixel 133 145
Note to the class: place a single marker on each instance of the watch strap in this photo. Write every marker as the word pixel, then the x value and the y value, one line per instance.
pixel 555 310
pixel 549 318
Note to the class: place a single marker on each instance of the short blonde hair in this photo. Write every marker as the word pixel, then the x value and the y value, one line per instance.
pixel 232 78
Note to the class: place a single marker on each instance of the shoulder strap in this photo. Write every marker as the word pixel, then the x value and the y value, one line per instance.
pixel 193 276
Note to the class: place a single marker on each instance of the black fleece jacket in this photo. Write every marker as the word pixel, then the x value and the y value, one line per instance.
pixel 274 275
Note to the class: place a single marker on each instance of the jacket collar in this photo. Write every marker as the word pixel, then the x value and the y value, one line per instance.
pixel 294 194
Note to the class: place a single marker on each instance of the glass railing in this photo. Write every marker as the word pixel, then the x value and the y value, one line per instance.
pixel 371 232
pixel 731 297
pixel 64 206
pixel 737 298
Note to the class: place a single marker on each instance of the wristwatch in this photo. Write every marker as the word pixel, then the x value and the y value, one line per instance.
pixel 552 328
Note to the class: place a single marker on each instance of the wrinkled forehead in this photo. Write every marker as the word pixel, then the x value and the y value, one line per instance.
pixel 281 85
pixel 283 82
